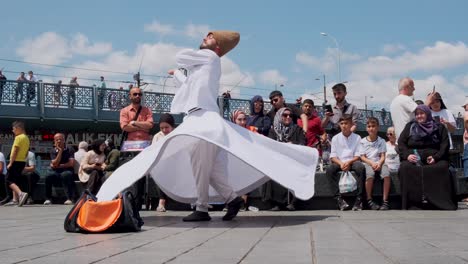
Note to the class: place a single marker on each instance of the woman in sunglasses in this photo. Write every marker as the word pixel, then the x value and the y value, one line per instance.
pixel 391 157
pixel 283 130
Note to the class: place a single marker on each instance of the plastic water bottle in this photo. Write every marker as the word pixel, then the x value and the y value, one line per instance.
pixel 418 157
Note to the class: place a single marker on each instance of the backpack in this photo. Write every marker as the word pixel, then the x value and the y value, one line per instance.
pixel 90 216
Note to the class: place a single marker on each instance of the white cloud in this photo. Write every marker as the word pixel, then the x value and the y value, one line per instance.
pixel 158 28
pixel 441 56
pixel 462 80
pixel 48 47
pixel 196 31
pixel 52 48
pixel 393 48
pixel 272 77
pixel 80 45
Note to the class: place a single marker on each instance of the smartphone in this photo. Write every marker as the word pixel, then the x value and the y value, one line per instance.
pixel 437 119
pixel 98 164
pixel 328 108
pixel 433 89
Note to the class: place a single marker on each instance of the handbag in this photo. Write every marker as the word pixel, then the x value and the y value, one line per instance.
pixel 90 216
pixel 347 182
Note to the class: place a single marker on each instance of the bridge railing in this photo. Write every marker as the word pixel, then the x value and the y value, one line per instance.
pixel 54 95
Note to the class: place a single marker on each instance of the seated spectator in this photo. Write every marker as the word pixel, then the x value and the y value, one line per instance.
pixel 92 167
pixel 257 119
pixel 166 125
pixel 3 171
pixel 283 130
pixel 345 157
pixel 112 158
pixel 441 114
pixel 424 171
pixel 392 159
pixel 30 176
pixel 278 102
pixel 372 150
pixel 239 117
pixel 61 170
pixel 79 155
pixel 314 128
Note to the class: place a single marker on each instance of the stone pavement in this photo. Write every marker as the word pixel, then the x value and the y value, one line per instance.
pixel 34 234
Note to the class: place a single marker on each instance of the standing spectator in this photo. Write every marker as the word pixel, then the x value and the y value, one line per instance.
pixel 57 93
pixel 278 102
pixel 372 150
pixel 2 84
pixel 402 107
pixel 166 125
pixel 92 167
pixel 424 171
pixel 257 118
pixel 79 155
pixel 444 116
pixel 61 172
pixel 19 87
pixel 30 176
pixel 465 139
pixel 392 159
pixel 137 129
pixel 314 127
pixel 31 91
pixel 72 92
pixel 341 108
pixel 19 152
pixel 101 92
pixel 345 157
pixel 3 173
pixel 284 130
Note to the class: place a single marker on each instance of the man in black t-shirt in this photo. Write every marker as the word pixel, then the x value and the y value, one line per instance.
pixel 61 170
pixel 277 101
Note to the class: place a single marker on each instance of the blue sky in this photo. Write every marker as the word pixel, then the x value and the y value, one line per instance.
pixel 380 42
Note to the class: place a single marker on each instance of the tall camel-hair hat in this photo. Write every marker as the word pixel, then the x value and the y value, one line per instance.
pixel 226 40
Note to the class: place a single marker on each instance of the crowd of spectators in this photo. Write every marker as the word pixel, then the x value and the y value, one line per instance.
pixel 417 149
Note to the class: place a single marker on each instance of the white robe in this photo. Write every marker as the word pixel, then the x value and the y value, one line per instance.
pixel 250 159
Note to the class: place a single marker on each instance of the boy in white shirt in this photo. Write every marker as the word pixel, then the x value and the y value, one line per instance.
pixel 372 150
pixel 345 157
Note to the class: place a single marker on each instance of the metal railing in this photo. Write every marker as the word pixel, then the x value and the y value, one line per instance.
pixel 54 95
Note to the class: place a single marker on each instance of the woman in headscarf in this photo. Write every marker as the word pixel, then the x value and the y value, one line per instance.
pixel 424 171
pixel 257 119
pixel 284 130
pixel 92 166
pixel 239 118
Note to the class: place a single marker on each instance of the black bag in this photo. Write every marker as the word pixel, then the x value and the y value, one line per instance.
pixel 89 216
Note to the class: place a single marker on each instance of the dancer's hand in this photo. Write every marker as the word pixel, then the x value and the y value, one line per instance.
pixel 171 72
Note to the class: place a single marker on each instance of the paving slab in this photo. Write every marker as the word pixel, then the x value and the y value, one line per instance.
pixel 34 234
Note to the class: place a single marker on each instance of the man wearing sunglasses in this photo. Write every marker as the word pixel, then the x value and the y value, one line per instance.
pixel 137 129
pixel 278 102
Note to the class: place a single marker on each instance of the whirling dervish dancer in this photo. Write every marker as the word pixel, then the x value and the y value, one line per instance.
pixel 207 158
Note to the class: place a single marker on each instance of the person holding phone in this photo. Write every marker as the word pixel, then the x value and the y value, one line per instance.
pixel 92 167
pixel 442 115
pixel 342 107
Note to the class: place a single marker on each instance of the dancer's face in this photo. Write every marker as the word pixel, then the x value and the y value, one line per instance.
pixel 209 42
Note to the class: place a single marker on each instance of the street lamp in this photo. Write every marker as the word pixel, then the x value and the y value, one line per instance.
pixel 338 48
pixel 324 90
pixel 276 86
pixel 365 102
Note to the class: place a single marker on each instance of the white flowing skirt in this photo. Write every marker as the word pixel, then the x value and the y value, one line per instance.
pixel 250 160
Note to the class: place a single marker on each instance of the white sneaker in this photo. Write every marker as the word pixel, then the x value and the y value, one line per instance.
pixel 68 202
pixel 23 197
pixel 47 202
pixel 11 203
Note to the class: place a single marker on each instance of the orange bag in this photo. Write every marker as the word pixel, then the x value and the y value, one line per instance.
pixel 99 216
